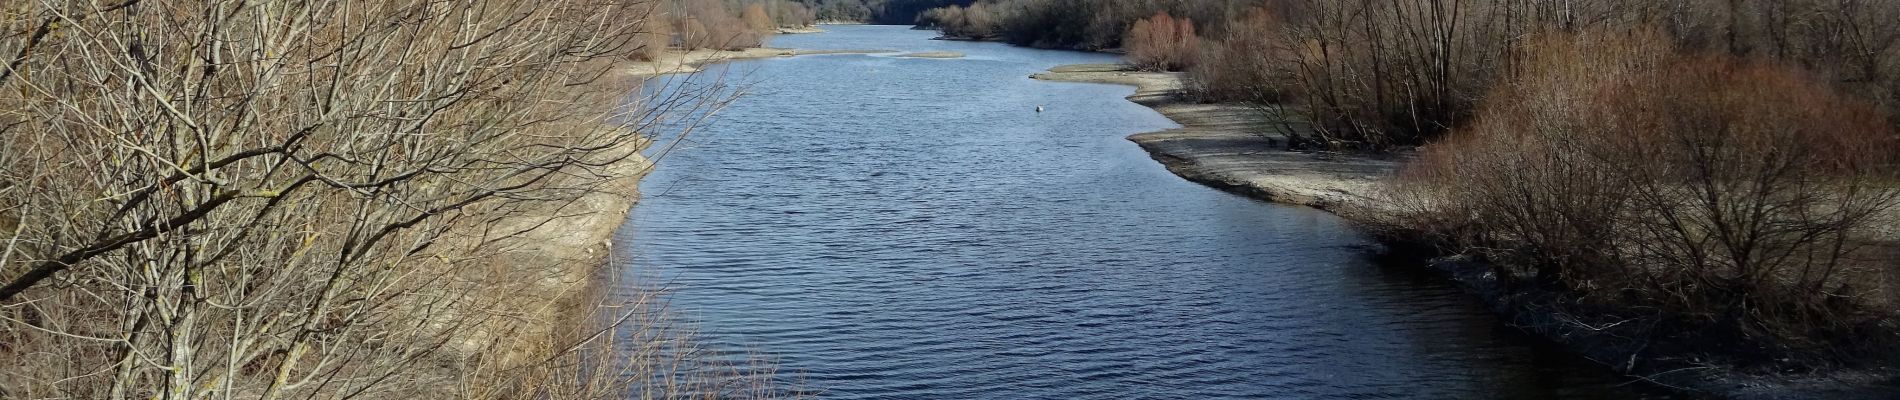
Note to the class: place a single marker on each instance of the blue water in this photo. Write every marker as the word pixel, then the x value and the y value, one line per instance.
pixel 890 228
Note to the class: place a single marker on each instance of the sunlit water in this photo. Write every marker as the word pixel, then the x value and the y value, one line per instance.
pixel 892 227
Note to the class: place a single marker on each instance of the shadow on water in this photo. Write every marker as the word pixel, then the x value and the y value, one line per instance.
pixel 901 228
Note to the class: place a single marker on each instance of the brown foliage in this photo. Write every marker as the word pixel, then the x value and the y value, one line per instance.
pixel 1738 197
pixel 710 24
pixel 653 35
pixel 977 21
pixel 1379 74
pixel 1161 43
pixel 757 20
pixel 1854 42
pixel 1248 65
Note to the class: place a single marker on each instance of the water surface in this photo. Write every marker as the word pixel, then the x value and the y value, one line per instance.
pixel 894 228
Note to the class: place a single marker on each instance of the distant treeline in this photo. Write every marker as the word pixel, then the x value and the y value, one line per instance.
pixel 716 24
pixel 898 12
pixel 1071 24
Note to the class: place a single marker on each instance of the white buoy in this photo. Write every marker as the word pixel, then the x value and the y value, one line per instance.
pixel 1039 108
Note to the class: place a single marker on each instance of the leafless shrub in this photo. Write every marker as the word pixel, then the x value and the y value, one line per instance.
pixel 1378 74
pixel 977 21
pixel 757 20
pixel 1739 197
pixel 789 14
pixel 654 36
pixel 1248 65
pixel 709 24
pixel 1161 43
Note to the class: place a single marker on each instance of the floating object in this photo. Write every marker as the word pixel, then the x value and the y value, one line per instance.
pixel 1038 108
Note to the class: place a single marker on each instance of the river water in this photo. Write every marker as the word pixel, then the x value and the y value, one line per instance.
pixel 890 228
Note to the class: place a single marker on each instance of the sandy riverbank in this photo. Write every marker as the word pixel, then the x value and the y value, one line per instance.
pixel 684 61
pixel 932 54
pixel 1231 147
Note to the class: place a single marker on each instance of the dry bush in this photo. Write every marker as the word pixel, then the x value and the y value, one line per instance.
pixel 1379 74
pixel 709 24
pixel 980 21
pixel 653 35
pixel 1543 157
pixel 976 22
pixel 1248 65
pixel 1075 24
pixel 1736 198
pixel 1161 43
pixel 757 20
pixel 316 199
pixel 1760 184
pixel 1854 42
pixel 1374 75
pixel 790 14
pixel 947 20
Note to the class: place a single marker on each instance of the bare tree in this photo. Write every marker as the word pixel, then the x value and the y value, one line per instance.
pixel 314 198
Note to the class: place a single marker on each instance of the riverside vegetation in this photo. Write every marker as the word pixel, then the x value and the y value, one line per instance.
pixel 1670 187
pixel 333 198
pixel 341 199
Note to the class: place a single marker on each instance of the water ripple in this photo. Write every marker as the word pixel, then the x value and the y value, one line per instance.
pixel 942 240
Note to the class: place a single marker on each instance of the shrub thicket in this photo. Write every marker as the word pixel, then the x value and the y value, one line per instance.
pixel 895 12
pixel 757 20
pixel 1376 75
pixel 652 35
pixel 1738 199
pixel 720 25
pixel 1162 43
pixel 1079 24
pixel 1248 65
pixel 1722 165
pixel 976 22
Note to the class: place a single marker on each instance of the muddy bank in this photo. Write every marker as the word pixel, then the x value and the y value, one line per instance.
pixel 1232 147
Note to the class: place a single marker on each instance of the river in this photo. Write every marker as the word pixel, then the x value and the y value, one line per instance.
pixel 889 228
